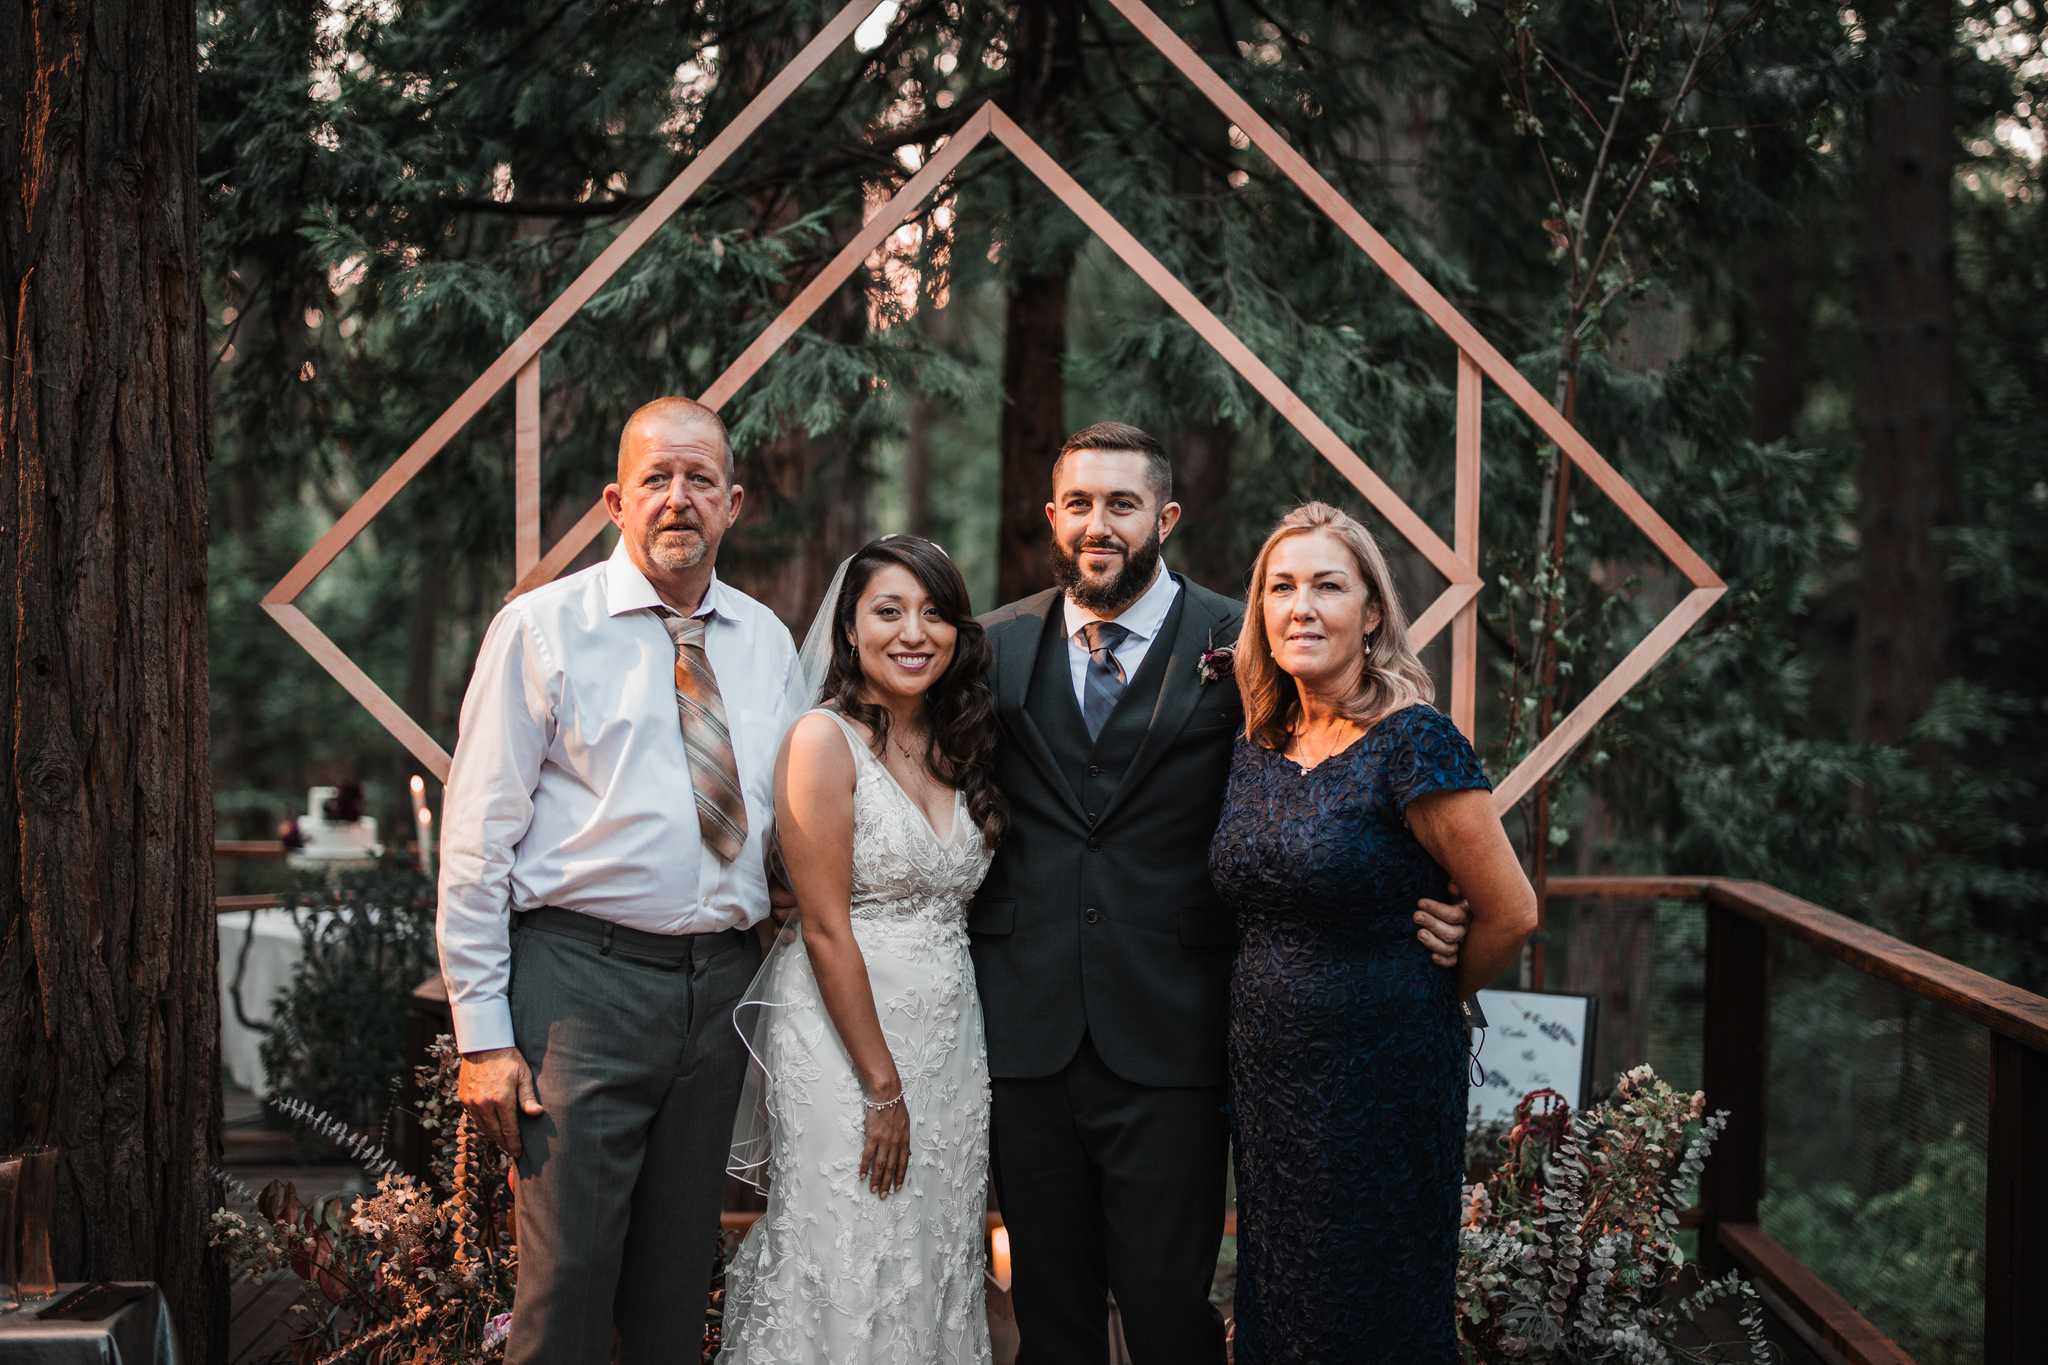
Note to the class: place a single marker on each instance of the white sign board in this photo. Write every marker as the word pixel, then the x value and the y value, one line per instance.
pixel 1534 1040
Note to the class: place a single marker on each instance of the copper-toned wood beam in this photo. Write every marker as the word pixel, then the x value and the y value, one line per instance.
pixel 526 469
pixel 1212 329
pixel 594 277
pixel 1806 1302
pixel 785 325
pixel 2003 1008
pixel 1409 281
pixel 1465 538
pixel 248 848
pixel 228 905
pixel 357 683
pixel 1545 757
pixel 1630 888
pixel 563 551
pixel 1450 604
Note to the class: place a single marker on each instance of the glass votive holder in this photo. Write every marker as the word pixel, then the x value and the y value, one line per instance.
pixel 10 1188
pixel 35 1212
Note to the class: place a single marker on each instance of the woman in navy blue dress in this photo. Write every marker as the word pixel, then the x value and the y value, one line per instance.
pixel 1350 798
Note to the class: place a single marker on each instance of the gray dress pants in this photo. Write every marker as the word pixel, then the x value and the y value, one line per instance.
pixel 620 1181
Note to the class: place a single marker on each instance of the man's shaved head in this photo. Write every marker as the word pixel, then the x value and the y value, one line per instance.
pixel 675 497
pixel 667 417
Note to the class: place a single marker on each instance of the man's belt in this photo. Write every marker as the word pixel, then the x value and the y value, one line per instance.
pixel 634 945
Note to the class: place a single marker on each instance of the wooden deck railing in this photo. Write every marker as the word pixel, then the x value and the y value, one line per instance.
pixel 1741 916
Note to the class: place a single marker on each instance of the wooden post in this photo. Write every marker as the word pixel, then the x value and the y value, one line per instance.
pixel 2016 1206
pixel 1736 1055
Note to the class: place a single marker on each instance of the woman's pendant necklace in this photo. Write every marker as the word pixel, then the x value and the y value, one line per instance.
pixel 918 778
pixel 1335 738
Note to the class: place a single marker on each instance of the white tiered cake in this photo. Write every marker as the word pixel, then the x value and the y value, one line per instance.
pixel 333 843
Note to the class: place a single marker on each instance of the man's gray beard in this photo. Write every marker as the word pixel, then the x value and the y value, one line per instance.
pixel 1140 567
pixel 675 561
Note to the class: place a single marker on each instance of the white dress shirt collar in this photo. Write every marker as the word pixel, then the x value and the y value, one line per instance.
pixel 1142 618
pixel 627 589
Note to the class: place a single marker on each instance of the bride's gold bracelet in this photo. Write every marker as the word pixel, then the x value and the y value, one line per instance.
pixel 877 1106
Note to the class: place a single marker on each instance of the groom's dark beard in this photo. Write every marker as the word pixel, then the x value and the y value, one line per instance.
pixel 1112 595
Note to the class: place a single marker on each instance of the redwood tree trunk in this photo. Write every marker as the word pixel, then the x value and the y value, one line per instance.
pixel 109 1014
pixel 1905 405
pixel 1033 425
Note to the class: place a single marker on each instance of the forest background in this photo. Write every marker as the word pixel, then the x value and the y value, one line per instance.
pixel 1781 263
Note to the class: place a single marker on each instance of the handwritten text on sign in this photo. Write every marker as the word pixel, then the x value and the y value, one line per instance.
pixel 1533 1041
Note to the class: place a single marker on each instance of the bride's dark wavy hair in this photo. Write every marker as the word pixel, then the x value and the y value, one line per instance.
pixel 959 708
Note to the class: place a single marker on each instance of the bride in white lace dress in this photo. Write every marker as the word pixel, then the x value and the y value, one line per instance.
pixel 866 1116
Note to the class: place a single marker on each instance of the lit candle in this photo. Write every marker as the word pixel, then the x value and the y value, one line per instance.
pixel 999 1256
pixel 423 820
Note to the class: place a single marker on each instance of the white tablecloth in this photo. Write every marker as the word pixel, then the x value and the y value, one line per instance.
pixel 273 952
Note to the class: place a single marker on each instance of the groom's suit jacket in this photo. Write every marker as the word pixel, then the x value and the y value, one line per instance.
pixel 1097 917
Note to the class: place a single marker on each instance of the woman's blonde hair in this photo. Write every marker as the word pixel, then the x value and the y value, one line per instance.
pixel 1392 676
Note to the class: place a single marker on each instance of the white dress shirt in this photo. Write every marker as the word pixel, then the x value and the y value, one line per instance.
pixel 1142 619
pixel 570 785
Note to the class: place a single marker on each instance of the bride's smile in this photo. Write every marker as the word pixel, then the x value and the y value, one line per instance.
pixel 904 642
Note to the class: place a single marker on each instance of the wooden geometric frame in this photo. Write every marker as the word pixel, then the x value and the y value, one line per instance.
pixel 1478 363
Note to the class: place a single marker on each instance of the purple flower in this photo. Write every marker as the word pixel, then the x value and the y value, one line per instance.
pixel 1214 664
pixel 497 1330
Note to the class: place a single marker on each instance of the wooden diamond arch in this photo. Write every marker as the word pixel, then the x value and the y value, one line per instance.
pixel 1478 362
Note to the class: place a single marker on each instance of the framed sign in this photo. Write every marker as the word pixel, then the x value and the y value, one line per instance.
pixel 1534 1040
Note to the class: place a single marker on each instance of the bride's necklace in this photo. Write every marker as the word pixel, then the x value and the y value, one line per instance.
pixel 914 759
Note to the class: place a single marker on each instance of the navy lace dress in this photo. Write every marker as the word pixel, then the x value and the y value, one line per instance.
pixel 1347 1052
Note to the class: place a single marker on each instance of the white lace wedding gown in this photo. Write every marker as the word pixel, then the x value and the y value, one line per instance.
pixel 831 1273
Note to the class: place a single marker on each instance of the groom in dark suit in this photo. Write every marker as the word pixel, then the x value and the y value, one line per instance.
pixel 1102 952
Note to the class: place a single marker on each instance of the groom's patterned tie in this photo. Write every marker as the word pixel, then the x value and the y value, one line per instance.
pixel 1104 681
pixel 714 773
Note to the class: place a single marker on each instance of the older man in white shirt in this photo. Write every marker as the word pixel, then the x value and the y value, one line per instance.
pixel 601 844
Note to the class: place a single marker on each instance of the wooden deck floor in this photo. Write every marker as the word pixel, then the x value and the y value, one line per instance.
pixel 259 1330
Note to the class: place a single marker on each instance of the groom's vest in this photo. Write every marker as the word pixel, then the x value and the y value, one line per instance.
pixel 1097 917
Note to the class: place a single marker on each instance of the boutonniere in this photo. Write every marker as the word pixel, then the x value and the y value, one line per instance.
pixel 1215 663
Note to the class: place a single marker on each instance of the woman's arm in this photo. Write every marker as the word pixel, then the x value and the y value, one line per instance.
pixel 1460 831
pixel 814 778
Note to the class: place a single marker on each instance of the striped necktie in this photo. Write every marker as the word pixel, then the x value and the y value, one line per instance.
pixel 1103 683
pixel 714 772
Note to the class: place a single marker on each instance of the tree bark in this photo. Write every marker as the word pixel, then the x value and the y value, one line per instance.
pixel 1033 425
pixel 1905 405
pixel 109 1013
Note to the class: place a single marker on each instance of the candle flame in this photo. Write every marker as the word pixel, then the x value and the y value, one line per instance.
pixel 999 1255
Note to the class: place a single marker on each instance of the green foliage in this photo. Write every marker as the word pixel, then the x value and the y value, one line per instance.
pixel 337 1031
pixel 393 192
pixel 1914 1254
pixel 1569 1250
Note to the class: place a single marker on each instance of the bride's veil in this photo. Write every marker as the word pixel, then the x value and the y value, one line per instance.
pixel 752 1137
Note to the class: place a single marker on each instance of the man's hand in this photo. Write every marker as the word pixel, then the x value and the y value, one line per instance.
pixel 495 1087
pixel 1443 928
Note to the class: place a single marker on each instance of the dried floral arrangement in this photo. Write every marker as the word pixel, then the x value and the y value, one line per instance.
pixel 419 1272
pixel 1569 1250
